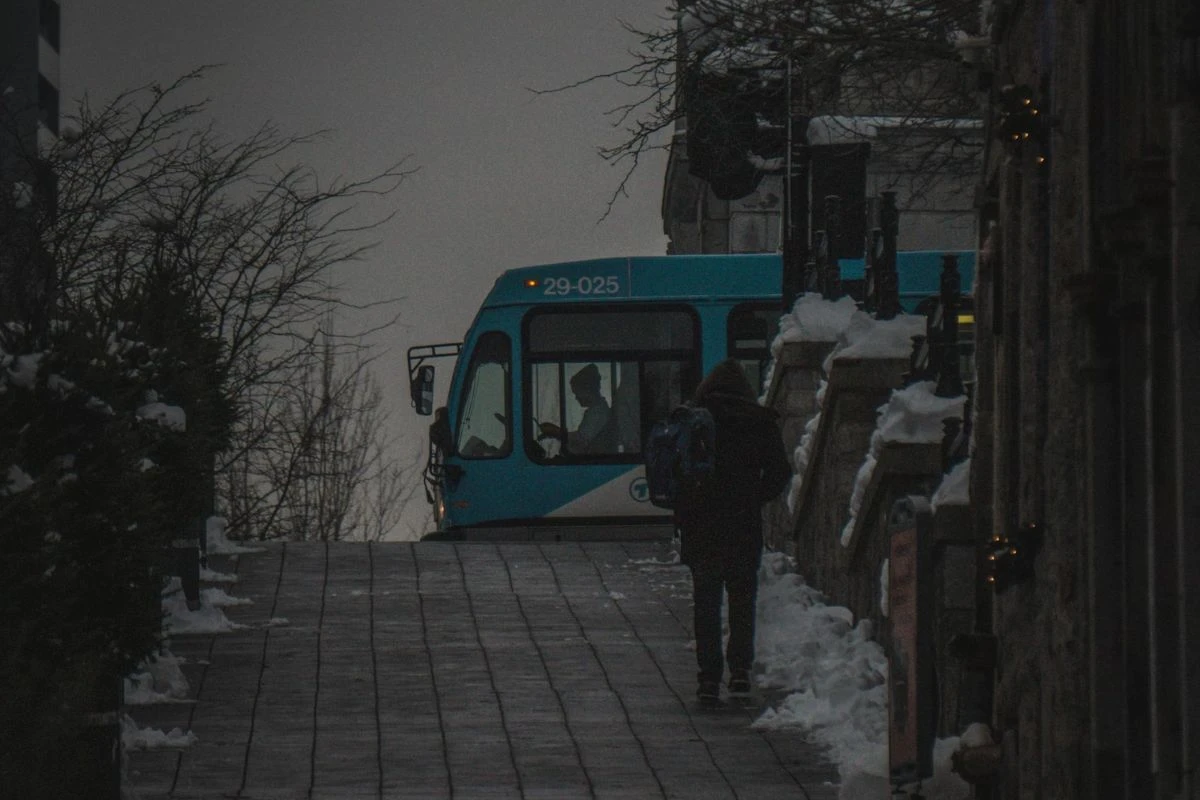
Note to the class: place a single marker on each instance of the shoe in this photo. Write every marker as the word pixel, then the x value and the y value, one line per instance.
pixel 739 682
pixel 709 692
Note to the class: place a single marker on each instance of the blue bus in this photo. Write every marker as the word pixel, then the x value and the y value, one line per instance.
pixel 565 368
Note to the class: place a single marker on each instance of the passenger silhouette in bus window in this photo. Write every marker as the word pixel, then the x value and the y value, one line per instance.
pixel 587 438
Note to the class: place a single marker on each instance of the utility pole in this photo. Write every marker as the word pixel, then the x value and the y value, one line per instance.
pixel 795 197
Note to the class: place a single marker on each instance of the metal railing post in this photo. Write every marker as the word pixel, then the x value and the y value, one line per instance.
pixel 949 372
pixel 831 271
pixel 872 252
pixel 889 280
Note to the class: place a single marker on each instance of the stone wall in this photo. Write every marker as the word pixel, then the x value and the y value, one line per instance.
pixel 964 687
pixel 793 394
pixel 901 469
pixel 1083 419
pixel 856 388
pixel 850 575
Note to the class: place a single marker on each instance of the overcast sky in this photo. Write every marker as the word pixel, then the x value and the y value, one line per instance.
pixel 505 178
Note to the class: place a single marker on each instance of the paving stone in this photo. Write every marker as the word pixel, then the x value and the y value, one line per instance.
pixel 439 670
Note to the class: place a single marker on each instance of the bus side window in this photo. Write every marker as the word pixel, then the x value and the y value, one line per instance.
pixel 751 329
pixel 485 415
pixel 666 385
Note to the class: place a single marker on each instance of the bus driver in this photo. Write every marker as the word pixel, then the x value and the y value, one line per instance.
pixel 589 436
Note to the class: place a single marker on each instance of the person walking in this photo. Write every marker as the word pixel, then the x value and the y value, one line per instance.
pixel 720 524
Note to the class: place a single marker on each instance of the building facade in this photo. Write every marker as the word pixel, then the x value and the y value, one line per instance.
pixel 768 134
pixel 29 77
pixel 1086 449
pixel 29 126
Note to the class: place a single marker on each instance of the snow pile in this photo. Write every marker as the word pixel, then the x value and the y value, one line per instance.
pixel 212 576
pixel 218 598
pixel 179 619
pixel 911 415
pixel 16 480
pixel 857 335
pixel 812 319
pixel 870 777
pixel 836 680
pixel 885 581
pixel 22 370
pixel 157 680
pixel 867 337
pixel 172 417
pixel 803 452
pixel 219 544
pixel 977 735
pixel 954 490
pixel 135 738
pixel 835 674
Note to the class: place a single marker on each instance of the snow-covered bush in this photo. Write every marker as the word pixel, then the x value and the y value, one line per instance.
pixel 159 284
pixel 85 524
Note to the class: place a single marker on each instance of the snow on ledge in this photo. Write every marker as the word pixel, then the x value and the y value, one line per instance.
pixel 867 337
pixel 179 619
pixel 955 488
pixel 219 544
pixel 912 415
pixel 135 738
pixel 157 681
pixel 813 319
pixel 858 335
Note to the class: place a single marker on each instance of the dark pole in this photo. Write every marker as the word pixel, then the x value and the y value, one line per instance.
pixel 872 254
pixel 888 279
pixel 795 200
pixel 831 269
pixel 949 381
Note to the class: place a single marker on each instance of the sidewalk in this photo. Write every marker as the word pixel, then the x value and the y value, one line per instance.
pixel 440 670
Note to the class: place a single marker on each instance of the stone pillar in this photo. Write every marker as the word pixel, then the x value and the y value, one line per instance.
pixel 793 394
pixel 965 689
pixel 1186 374
pixel 856 388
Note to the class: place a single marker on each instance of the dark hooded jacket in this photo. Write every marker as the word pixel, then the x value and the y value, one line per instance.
pixel 721 520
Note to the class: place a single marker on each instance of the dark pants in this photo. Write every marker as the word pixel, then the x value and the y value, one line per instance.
pixel 741 582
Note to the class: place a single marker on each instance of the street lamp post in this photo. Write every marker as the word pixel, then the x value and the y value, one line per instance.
pixel 795 199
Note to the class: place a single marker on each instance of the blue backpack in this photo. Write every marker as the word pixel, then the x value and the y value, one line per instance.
pixel 680 453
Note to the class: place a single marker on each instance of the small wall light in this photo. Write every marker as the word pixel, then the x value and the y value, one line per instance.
pixel 1008 558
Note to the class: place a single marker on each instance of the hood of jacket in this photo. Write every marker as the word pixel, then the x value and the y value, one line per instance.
pixel 727 392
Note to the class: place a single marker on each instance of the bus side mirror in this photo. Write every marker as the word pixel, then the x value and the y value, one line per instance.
pixel 422 390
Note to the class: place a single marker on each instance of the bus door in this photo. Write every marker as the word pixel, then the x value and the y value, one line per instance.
pixel 481 422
